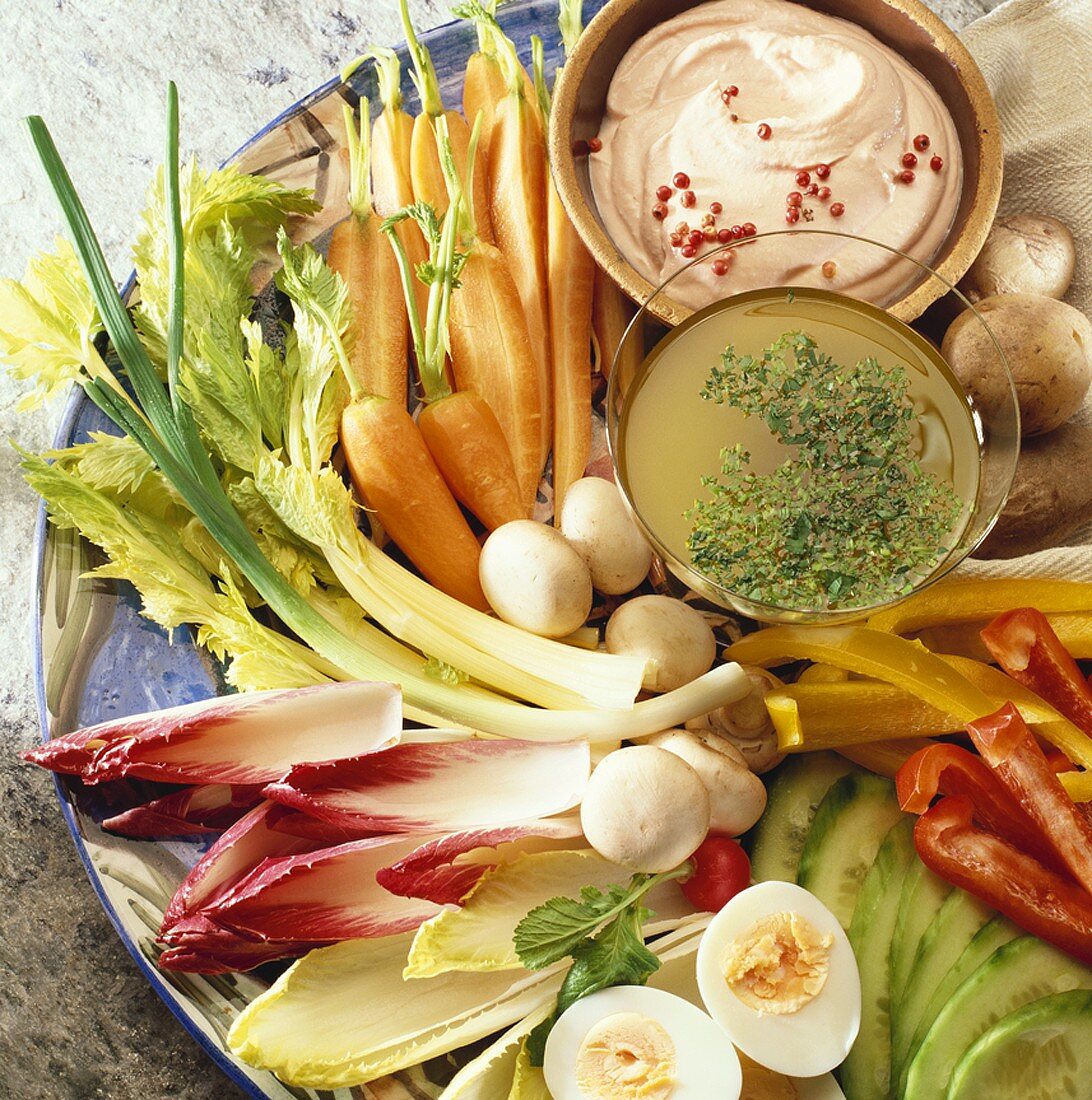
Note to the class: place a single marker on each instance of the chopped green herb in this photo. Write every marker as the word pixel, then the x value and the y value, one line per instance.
pixel 850 518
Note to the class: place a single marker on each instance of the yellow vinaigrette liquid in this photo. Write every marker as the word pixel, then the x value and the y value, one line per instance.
pixel 669 437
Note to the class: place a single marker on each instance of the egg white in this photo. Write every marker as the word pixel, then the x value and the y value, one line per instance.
pixel 806 1043
pixel 706 1063
pixel 824 1087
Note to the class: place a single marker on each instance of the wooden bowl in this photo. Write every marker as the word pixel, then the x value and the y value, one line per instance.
pixel 907 26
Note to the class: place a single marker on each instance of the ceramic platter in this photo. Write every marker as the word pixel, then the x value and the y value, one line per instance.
pixel 98 659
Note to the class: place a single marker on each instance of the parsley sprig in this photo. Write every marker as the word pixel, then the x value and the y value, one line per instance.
pixel 850 518
pixel 601 931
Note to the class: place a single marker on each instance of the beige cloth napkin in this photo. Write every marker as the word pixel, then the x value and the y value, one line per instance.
pixel 1036 56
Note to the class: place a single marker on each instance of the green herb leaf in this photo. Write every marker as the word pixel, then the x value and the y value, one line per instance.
pixel 557 928
pixel 616 956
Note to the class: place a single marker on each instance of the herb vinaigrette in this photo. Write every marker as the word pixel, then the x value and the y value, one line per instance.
pixel 800 450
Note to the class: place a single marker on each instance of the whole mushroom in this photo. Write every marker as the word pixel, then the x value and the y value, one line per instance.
pixel 737 796
pixel 599 527
pixel 1023 254
pixel 674 639
pixel 645 809
pixel 534 579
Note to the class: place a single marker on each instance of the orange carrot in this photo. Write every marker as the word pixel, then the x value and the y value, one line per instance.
pixel 484 86
pixel 460 429
pixel 517 202
pixel 465 438
pixel 571 280
pixel 491 354
pixel 359 254
pixel 425 168
pixel 395 475
pixel 392 131
pixel 428 178
pixel 612 312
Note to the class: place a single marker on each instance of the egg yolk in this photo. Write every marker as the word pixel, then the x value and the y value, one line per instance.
pixel 760 1083
pixel 626 1056
pixel 779 964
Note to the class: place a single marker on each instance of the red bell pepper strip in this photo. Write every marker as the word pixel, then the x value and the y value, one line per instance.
pixel 1006 744
pixel 1038 900
pixel 947 769
pixel 1024 644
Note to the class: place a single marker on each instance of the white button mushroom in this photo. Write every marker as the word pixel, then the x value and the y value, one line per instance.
pixel 599 527
pixel 675 640
pixel 534 579
pixel 737 796
pixel 645 809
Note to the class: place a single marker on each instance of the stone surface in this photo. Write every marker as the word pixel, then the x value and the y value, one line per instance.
pixel 76 1019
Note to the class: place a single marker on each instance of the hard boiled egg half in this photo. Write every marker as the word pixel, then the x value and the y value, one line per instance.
pixel 631 1042
pixel 776 971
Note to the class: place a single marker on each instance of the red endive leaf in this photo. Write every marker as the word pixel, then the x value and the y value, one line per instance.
pixel 208 809
pixel 446 869
pixel 324 834
pixel 217 950
pixel 68 754
pixel 250 738
pixel 330 894
pixel 235 854
pixel 441 787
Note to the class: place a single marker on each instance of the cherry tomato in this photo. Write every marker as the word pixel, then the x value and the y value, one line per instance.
pixel 721 870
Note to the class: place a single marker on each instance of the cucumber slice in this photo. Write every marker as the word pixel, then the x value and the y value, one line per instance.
pixel 992 935
pixel 923 893
pixel 866 1072
pixel 947 937
pixel 847 831
pixel 796 789
pixel 1013 976
pixel 1041 1052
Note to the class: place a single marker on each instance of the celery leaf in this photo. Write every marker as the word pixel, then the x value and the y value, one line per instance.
pixel 48 324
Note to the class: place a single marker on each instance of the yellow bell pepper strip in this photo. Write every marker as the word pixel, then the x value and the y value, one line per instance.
pixel 1078 785
pixel 872 653
pixel 807 717
pixel 959 689
pixel 822 674
pixel 884 757
pixel 962 601
pixel 810 716
pixel 1074 630
pixel 821 714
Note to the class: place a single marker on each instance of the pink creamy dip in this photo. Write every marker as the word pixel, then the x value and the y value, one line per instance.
pixel 830 94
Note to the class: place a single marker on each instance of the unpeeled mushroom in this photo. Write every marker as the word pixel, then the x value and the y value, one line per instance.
pixel 737 796
pixel 645 808
pixel 670 635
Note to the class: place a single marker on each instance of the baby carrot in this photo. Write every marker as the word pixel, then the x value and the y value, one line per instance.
pixel 359 254
pixel 612 312
pixel 395 476
pixel 392 131
pixel 425 169
pixel 571 274
pixel 517 202
pixel 483 84
pixel 460 430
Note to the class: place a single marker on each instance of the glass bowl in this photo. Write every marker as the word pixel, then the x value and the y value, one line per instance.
pixel 664 439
